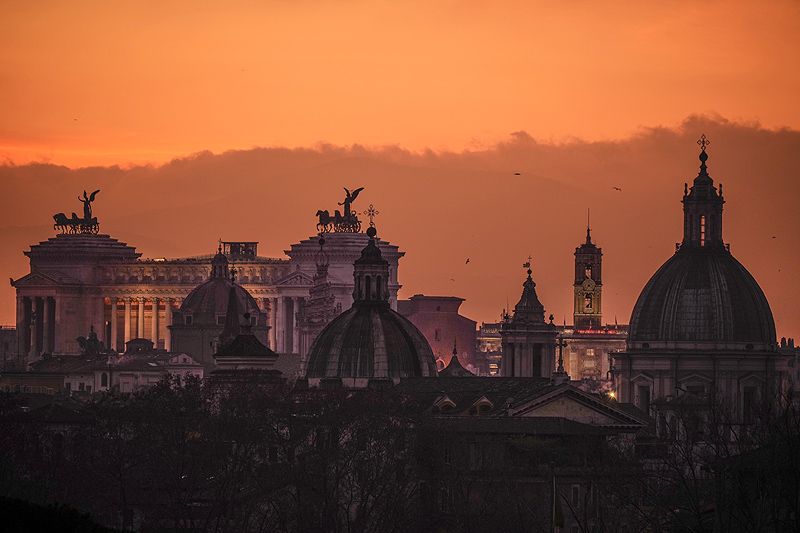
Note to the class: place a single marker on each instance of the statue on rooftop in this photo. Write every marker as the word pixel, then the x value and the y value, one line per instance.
pixel 347 222
pixel 87 224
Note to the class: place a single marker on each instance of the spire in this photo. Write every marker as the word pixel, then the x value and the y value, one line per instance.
pixel 529 308
pixel 232 324
pixel 321 259
pixel 588 227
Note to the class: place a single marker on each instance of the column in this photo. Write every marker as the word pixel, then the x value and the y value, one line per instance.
pixel 280 331
pixel 273 323
pixel 37 330
pixel 295 329
pixel 99 322
pixel 113 343
pixel 168 323
pixel 127 321
pixel 154 335
pixel 24 310
pixel 140 320
pixel 47 319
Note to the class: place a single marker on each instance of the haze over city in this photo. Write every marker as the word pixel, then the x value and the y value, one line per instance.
pixel 479 132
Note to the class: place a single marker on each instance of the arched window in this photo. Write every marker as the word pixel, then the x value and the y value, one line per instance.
pixel 587 302
pixel 702 230
pixel 104 380
pixel 378 285
pixel 368 288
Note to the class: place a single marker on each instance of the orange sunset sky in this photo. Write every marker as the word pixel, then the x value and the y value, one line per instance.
pixel 252 115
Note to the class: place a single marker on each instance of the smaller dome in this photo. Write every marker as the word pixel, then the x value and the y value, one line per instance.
pixel 209 300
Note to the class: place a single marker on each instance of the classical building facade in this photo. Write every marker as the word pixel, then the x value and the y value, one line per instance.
pixel 82 278
pixel 702 327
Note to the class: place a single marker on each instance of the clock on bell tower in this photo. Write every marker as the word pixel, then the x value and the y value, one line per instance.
pixel 587 313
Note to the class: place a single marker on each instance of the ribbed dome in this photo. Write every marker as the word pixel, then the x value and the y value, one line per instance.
pixel 702 295
pixel 209 300
pixel 370 340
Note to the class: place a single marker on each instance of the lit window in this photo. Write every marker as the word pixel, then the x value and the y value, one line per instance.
pixel 587 302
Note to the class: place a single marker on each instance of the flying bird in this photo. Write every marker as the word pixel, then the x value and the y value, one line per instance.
pixel 617 189
pixel 517 173
pixel 467 261
pixel 452 279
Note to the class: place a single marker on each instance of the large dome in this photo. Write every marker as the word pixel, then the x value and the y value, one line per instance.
pixel 702 297
pixel 370 340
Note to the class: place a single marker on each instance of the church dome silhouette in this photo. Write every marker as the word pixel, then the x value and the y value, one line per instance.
pixel 209 300
pixel 370 340
pixel 702 297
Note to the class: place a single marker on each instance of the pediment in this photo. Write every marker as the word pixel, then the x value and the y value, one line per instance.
pixel 296 278
pixel 39 279
pixel 576 405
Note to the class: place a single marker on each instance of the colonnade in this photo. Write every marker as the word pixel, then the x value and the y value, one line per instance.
pixel 36 326
pixel 157 327
pixel 282 317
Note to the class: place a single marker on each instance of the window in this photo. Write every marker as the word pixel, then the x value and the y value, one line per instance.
pixel 187 320
pixel 220 320
pixel 697 390
pixel 587 302
pixel 437 335
pixel 587 270
pixel 590 352
pixel 644 398
pixel 748 403
pixel 702 230
pixel 104 380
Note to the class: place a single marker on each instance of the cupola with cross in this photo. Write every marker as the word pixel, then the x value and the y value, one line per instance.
pixel 702 207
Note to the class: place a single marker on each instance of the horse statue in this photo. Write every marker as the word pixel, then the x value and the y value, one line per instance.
pixel 341 222
pixel 76 224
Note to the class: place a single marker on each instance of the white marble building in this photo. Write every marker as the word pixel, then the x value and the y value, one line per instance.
pixel 79 281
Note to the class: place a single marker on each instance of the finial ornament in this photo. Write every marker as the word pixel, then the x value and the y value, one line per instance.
pixel 370 213
pixel 527 264
pixel 703 142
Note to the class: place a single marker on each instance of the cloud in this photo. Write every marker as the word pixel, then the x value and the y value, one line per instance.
pixel 441 207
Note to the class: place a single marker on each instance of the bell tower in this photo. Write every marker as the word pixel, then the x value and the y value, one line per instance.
pixel 588 286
